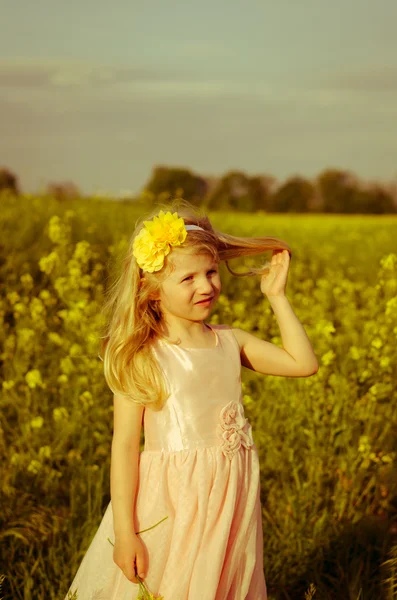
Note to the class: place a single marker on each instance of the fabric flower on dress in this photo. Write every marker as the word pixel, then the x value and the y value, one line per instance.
pixel 234 429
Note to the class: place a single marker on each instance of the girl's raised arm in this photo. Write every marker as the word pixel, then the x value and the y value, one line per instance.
pixel 297 357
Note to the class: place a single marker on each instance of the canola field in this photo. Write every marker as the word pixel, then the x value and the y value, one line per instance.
pixel 327 443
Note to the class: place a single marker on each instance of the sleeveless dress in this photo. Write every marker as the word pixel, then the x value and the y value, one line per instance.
pixel 200 469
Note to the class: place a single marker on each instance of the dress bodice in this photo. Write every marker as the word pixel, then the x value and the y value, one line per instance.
pixel 205 399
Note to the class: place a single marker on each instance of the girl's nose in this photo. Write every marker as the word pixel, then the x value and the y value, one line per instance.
pixel 204 287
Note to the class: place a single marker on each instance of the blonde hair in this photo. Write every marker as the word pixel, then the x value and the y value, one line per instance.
pixel 133 319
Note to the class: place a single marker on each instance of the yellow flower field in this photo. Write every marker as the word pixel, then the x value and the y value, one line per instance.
pixel 327 443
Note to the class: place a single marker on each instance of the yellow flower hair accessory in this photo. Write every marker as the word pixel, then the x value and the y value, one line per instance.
pixel 154 241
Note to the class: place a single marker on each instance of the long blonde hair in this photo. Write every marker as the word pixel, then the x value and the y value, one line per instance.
pixel 133 319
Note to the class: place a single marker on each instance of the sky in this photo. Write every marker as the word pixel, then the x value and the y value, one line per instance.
pixel 99 93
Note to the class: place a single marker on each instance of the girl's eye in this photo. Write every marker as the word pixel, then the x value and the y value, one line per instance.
pixel 191 276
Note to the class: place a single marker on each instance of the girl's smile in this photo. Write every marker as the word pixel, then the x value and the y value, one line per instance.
pixel 206 302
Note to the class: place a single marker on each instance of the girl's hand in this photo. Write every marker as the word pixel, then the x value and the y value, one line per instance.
pixel 274 283
pixel 128 551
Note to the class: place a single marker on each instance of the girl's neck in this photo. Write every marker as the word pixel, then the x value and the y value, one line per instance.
pixel 205 339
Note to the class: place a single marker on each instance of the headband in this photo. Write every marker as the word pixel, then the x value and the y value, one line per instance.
pixel 154 241
pixel 194 227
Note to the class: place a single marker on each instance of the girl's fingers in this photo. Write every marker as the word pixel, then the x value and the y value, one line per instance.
pixel 140 565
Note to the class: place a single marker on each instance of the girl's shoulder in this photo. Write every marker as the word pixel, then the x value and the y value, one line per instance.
pixel 219 327
pixel 232 332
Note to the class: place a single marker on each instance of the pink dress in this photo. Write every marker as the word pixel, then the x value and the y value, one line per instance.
pixel 200 468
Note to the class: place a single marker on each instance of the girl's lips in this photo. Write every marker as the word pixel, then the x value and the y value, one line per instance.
pixel 206 301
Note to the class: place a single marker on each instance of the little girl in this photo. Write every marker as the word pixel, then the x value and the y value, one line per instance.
pixel 185 520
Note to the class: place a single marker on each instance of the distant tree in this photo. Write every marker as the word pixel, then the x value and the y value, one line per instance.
pixel 260 190
pixel 176 182
pixel 392 191
pixel 235 190
pixel 212 183
pixel 374 199
pixel 9 181
pixel 337 190
pixel 231 192
pixel 294 195
pixel 62 191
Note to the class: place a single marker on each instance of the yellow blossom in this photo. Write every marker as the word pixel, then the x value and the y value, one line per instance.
pixel 34 466
pixel 10 343
pixel 82 251
pixel 49 263
pixel 58 232
pixel 13 297
pixel 354 353
pixel 377 343
pixel 61 285
pixel 74 456
pixel 19 308
pixel 45 452
pixel 389 262
pixel 60 414
pixel 391 306
pixel 384 362
pixel 75 350
pixel 328 357
pixel 67 365
pixel 33 378
pixel 55 338
pixel 74 269
pixel 37 422
pixel 44 295
pixel 326 328
pixel 364 447
pixel 86 400
pixel 7 385
pixel 15 458
pixel 27 281
pixel 25 335
pixel 37 309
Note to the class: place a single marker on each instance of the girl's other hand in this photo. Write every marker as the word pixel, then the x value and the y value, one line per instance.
pixel 128 552
pixel 274 282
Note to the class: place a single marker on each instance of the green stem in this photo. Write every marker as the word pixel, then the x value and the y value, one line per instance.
pixel 142 588
pixel 158 523
pixel 143 530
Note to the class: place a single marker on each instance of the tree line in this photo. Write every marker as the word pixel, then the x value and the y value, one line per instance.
pixel 332 191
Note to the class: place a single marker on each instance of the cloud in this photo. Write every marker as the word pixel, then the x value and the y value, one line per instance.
pixel 128 81
pixel 59 74
pixel 86 82
pixel 52 99
pixel 375 79
pixel 139 82
pixel 155 85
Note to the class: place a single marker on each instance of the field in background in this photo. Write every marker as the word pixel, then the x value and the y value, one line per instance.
pixel 327 443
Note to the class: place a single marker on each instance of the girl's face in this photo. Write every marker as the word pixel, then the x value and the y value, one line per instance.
pixel 195 278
